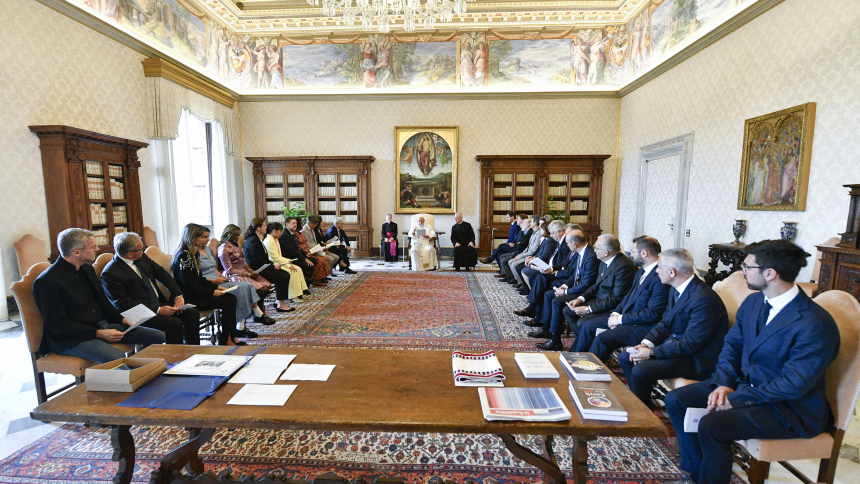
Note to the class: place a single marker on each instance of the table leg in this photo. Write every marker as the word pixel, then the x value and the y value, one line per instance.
pixel 579 458
pixel 182 456
pixel 548 464
pixel 123 453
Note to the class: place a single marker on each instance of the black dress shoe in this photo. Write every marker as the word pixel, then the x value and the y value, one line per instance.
pixel 514 283
pixel 524 292
pixel 468 270
pixel 457 269
pixel 528 313
pixel 550 346
pixel 504 279
pixel 264 320
pixel 540 334
pixel 284 310
pixel 349 271
pixel 533 324
pixel 306 292
pixel 246 333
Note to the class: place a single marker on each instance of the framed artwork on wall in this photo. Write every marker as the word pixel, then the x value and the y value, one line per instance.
pixel 776 155
pixel 426 160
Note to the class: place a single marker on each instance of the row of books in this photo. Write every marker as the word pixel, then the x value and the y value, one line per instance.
pixel 327 191
pixel 347 219
pixel 579 192
pixel 103 237
pixel 296 191
pixel 273 206
pixel 115 171
pixel 502 205
pixel 274 191
pixel 96 188
pixel 328 206
pixel 98 214
pixel 94 168
pixel 349 206
pixel 502 191
pixel 120 215
pixel 346 178
pixel 578 205
pixel 526 190
pixel 349 191
pixel 117 190
pixel 578 219
pixel 527 205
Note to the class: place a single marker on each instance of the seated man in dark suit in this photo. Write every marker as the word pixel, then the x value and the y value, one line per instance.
pixel 130 279
pixel 463 238
pixel 290 249
pixel 517 262
pixel 769 381
pixel 687 341
pixel 342 248
pixel 634 317
pixel 507 246
pixel 614 278
pixel 520 245
pixel 79 320
pixel 582 272
pixel 537 280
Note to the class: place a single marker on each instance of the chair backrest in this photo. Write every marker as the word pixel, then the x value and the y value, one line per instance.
pixel 843 375
pixel 213 244
pixel 30 315
pixel 816 267
pixel 733 290
pixel 429 220
pixel 159 257
pixel 30 250
pixel 101 262
pixel 150 238
pixel 241 241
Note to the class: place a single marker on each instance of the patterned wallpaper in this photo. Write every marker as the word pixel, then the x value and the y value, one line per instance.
pixel 784 58
pixel 552 126
pixel 60 83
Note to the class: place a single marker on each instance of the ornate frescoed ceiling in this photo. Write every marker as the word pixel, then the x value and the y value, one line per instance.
pixel 266 49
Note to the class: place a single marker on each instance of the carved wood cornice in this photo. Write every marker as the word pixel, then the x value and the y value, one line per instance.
pixel 157 67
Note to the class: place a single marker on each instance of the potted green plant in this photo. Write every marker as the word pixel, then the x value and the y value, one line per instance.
pixel 548 208
pixel 296 210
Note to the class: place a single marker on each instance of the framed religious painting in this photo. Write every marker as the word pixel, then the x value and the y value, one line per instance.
pixel 426 160
pixel 776 155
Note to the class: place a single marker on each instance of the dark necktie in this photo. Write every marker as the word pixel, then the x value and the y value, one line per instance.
pixel 603 268
pixel 762 317
pixel 153 296
pixel 676 295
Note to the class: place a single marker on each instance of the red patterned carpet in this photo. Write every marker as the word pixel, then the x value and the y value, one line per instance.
pixel 372 309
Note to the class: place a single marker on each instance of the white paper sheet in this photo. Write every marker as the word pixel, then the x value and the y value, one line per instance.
pixel 301 372
pixel 420 233
pixel 316 248
pixel 185 306
pixel 261 268
pixel 599 330
pixel 263 369
pixel 138 315
pixel 539 264
pixel 232 288
pixel 692 418
pixel 268 395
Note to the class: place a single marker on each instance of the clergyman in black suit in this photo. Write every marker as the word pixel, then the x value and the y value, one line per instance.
pixel 687 341
pixel 389 239
pixel 78 319
pixel 614 278
pixel 463 238
pixel 770 378
pixel 634 317
pixel 130 279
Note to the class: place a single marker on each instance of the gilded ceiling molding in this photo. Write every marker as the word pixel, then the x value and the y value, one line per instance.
pixel 320 41
pixel 531 36
pixel 425 38
pixel 157 67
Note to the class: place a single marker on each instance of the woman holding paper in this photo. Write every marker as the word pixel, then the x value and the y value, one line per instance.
pixel 298 286
pixel 198 290
pixel 322 270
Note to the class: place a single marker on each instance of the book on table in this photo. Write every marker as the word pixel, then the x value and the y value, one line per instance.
pixel 208 365
pixel 477 369
pixel 531 404
pixel 583 367
pixel 535 365
pixel 596 401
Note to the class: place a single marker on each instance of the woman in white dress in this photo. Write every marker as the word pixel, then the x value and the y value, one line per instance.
pixel 298 286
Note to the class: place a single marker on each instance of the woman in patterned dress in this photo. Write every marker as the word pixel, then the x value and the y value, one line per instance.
pixel 322 269
pixel 232 259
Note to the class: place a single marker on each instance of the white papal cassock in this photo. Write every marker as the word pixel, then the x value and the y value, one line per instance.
pixel 423 253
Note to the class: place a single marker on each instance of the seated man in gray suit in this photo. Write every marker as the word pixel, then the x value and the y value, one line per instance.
pixel 516 262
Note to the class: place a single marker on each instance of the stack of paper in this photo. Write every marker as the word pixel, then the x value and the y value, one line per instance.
pixel 596 401
pixel 268 395
pixel 583 367
pixel 535 365
pixel 477 369
pixel 263 369
pixel 528 404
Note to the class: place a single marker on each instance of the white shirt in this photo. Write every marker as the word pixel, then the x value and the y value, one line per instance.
pixel 779 302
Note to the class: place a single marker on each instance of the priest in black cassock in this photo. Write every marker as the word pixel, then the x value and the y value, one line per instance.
pixel 389 239
pixel 463 238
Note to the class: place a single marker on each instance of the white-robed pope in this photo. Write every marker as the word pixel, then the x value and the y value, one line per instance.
pixel 423 252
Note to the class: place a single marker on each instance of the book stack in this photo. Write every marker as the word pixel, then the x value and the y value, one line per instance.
pixel 596 401
pixel 535 365
pixel 578 219
pixel 297 191
pixel 477 369
pixel 115 171
pixel 524 205
pixel 95 188
pixel 327 191
pixel 101 237
pixel 582 177
pixel 274 206
pixel 583 367
pixel 348 191
pixel 526 190
pixel 98 214
pixel 350 219
pixel 502 205
pixel 527 404
pixel 94 168
pixel 117 190
pixel 274 192
pixel 295 178
pixel 503 177
pixel 273 179
pixel 120 215
pixel 349 178
pixel 349 206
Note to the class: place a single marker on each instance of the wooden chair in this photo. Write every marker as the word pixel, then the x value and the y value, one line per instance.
pixel 843 388
pixel 30 250
pixel 33 329
pixel 150 238
pixel 101 262
pixel 213 244
pixel 811 287
pixel 208 319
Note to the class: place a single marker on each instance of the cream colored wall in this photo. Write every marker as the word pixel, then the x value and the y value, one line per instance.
pixel 510 127
pixel 83 80
pixel 797 52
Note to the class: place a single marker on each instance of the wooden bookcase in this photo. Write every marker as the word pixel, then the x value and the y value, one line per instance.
pixel 91 182
pixel 329 186
pixel 521 183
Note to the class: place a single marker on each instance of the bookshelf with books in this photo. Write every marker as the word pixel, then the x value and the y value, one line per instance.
pixel 91 181
pixel 330 187
pixel 522 182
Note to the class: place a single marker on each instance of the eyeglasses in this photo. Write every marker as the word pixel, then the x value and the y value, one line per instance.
pixel 138 250
pixel 745 267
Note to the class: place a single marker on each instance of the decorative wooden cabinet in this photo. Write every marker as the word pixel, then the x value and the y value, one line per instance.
pixel 91 182
pixel 329 186
pixel 840 263
pixel 522 182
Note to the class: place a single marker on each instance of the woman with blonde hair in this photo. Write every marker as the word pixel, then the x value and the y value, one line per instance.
pixel 199 291
pixel 298 286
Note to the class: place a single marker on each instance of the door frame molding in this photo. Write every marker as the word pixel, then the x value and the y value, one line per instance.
pixel 680 145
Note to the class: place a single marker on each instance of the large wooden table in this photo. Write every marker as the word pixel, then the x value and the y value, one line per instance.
pixel 369 390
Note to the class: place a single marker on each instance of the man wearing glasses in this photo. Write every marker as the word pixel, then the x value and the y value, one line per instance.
pixel 78 319
pixel 769 381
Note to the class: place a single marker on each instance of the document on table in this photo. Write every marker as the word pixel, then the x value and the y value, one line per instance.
pixel 308 372
pixel 269 395
pixel 138 315
pixel 263 369
pixel 539 264
pixel 261 268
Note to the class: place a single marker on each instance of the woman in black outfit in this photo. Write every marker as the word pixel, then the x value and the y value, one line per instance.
pixel 256 257
pixel 198 290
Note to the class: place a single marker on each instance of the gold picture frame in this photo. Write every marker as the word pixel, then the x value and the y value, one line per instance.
pixel 426 174
pixel 776 156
